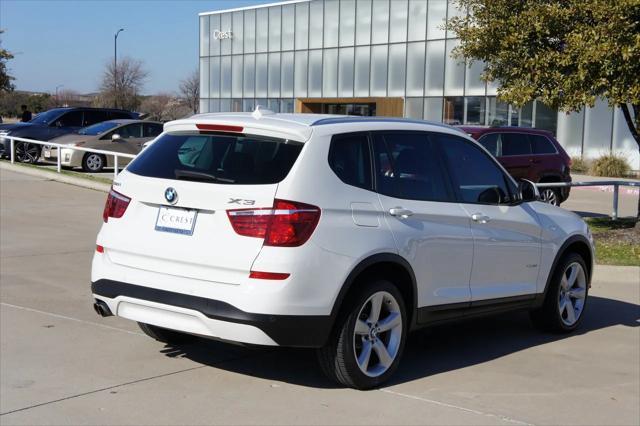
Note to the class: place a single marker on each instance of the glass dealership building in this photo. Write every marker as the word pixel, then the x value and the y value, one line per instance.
pixel 373 57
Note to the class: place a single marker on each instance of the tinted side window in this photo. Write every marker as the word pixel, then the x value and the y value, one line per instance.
pixel 515 144
pixel 541 145
pixel 476 177
pixel 130 131
pixel 70 119
pixel 490 142
pixel 151 130
pixel 93 117
pixel 408 166
pixel 350 160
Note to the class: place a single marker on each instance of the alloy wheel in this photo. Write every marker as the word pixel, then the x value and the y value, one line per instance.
pixel 94 162
pixel 572 294
pixel 377 334
pixel 549 196
pixel 27 152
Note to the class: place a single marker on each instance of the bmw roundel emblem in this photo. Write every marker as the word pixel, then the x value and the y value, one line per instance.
pixel 171 195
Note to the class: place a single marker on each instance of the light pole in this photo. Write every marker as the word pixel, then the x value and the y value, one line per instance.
pixel 57 100
pixel 115 68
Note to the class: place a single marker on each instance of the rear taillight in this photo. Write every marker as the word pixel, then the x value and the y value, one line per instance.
pixel 115 206
pixel 287 224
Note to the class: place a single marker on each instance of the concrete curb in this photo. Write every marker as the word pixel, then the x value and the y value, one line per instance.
pixel 55 176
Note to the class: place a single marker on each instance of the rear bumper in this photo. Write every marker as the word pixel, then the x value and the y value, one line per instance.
pixel 211 318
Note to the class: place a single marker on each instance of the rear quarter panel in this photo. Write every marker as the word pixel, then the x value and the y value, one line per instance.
pixel 340 244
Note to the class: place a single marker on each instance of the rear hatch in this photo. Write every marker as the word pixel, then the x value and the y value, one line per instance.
pixel 180 189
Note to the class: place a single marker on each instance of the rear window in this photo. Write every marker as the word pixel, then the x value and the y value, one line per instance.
pixel 224 159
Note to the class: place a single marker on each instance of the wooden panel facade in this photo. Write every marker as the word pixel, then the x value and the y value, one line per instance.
pixel 387 107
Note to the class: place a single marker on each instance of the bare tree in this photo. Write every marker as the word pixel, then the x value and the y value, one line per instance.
pixel 164 107
pixel 125 91
pixel 67 97
pixel 190 91
pixel 154 106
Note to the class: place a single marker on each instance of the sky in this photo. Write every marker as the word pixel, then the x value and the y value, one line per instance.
pixel 68 42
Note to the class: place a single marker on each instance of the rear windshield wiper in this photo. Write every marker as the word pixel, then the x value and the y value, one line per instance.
pixel 200 176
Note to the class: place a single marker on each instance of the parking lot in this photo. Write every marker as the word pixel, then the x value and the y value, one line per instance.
pixel 61 363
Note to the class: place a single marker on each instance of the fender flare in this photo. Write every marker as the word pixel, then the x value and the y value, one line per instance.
pixel 364 264
pixel 559 255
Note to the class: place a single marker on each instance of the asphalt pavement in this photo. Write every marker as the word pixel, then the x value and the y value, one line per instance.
pixel 61 363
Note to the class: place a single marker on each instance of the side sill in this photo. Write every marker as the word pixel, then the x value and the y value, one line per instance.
pixel 430 315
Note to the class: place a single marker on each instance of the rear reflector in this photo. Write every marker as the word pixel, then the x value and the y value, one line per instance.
pixel 268 275
pixel 287 224
pixel 99 249
pixel 115 206
pixel 219 128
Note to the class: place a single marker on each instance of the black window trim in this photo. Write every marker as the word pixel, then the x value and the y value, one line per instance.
pixel 454 193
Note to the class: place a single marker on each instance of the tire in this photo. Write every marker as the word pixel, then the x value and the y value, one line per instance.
pixel 551 196
pixel 93 163
pixel 165 335
pixel 339 358
pixel 27 152
pixel 566 298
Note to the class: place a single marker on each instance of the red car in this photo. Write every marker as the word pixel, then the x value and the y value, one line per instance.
pixel 527 153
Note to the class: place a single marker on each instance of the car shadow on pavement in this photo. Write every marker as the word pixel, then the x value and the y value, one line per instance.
pixel 428 352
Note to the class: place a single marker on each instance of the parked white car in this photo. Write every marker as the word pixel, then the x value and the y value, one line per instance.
pixel 332 232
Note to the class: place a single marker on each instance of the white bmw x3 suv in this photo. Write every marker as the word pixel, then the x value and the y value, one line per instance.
pixel 331 232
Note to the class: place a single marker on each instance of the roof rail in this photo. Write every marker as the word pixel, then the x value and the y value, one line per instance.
pixel 354 119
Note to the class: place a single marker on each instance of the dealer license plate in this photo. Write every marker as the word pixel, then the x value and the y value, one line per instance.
pixel 177 221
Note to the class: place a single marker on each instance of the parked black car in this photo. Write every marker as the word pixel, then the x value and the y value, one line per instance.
pixel 51 124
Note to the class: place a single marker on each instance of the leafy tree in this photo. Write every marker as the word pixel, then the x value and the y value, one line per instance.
pixel 566 53
pixel 36 102
pixel 5 78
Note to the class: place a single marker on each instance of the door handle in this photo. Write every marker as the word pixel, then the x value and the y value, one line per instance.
pixel 534 161
pixel 400 212
pixel 480 218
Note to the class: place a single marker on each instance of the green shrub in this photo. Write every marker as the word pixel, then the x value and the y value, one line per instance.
pixel 579 165
pixel 611 165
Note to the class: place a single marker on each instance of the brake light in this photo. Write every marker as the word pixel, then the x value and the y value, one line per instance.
pixel 115 206
pixel 99 248
pixel 287 224
pixel 219 128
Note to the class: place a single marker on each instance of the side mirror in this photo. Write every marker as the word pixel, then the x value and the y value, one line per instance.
pixel 116 138
pixel 528 191
pixel 490 196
